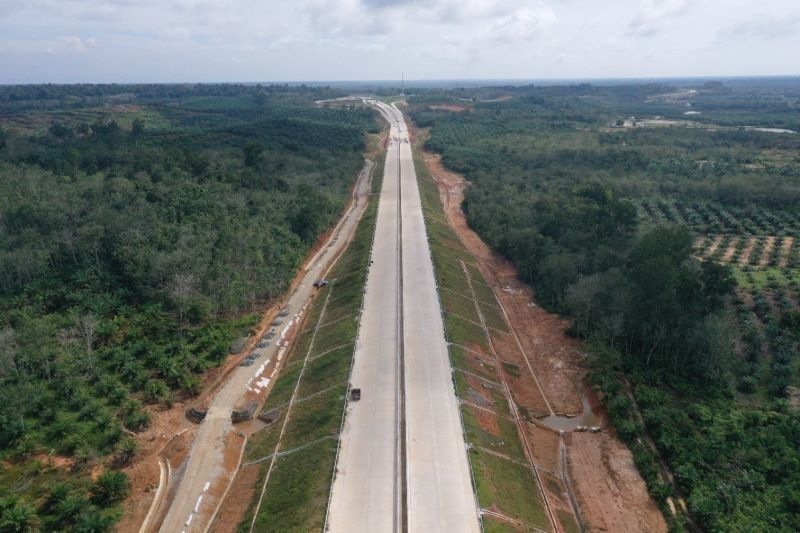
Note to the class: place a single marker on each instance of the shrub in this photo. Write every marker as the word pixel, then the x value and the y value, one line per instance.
pixel 110 487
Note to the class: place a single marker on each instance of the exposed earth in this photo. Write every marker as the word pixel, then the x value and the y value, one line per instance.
pixel 605 484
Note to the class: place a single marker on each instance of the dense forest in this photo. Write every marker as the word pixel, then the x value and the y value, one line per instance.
pixel 663 220
pixel 140 227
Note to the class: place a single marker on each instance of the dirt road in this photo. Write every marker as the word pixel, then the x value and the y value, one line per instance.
pixel 208 469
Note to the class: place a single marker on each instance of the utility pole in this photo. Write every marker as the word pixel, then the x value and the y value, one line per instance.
pixel 402 83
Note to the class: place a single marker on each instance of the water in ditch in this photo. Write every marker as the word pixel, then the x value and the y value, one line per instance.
pixel 589 417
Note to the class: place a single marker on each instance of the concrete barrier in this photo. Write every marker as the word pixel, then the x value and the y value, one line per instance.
pixel 240 414
pixel 196 414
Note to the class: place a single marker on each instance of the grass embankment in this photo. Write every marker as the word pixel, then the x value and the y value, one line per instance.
pixel 296 495
pixel 503 483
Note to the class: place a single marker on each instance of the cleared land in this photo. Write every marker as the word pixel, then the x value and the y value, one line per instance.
pixel 760 244
pixel 212 457
pixel 287 467
pixel 609 491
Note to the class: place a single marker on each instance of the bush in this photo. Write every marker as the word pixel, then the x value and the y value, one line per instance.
pixel 110 487
pixel 138 420
pixel 156 390
pixel 627 429
pixel 747 385
pixel 17 515
pixel 619 407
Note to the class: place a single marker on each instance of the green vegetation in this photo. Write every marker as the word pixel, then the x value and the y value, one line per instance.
pixel 296 496
pixel 502 482
pixel 510 486
pixel 262 443
pixel 601 217
pixel 506 443
pixel 141 228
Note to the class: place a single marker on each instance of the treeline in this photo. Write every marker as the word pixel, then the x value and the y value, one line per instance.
pixel 129 259
pixel 22 98
pixel 644 294
pixel 551 184
pixel 565 140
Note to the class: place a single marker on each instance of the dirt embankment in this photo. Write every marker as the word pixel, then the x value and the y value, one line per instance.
pixel 167 437
pixel 609 492
pixel 170 434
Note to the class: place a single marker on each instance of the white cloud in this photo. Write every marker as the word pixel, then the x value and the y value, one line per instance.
pixel 521 25
pixel 229 40
pixel 655 15
pixel 762 28
pixel 70 44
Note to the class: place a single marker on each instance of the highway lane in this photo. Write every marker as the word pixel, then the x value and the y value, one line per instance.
pixel 402 451
pixel 193 507
pixel 366 491
pixel 440 494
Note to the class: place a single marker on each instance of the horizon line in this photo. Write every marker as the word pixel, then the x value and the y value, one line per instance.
pixel 416 80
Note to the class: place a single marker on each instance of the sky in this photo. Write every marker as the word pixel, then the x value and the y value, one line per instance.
pixel 67 41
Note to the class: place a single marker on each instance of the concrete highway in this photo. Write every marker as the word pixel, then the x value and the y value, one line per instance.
pixel 367 490
pixel 403 461
pixel 194 506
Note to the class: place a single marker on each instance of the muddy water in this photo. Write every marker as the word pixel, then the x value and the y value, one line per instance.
pixel 568 423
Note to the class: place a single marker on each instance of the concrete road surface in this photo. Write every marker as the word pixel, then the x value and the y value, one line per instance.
pixel 193 507
pixel 408 458
pixel 366 492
